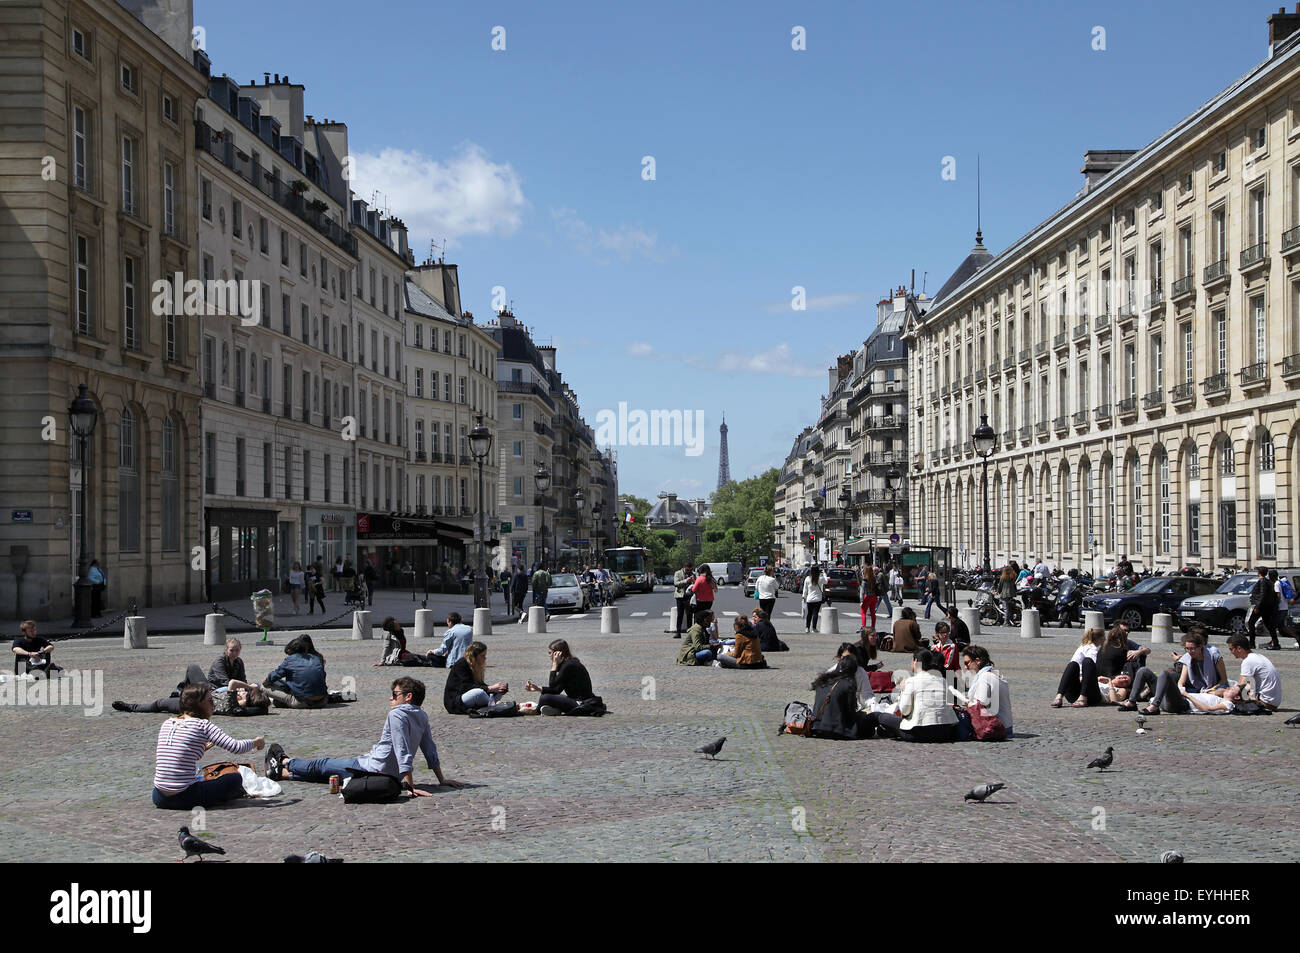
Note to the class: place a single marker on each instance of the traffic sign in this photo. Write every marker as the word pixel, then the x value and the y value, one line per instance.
pixel 506 527
pixel 895 538
pixel 20 516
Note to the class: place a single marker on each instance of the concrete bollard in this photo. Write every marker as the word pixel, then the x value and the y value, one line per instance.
pixel 536 620
pixel 361 629
pixel 672 621
pixel 424 623
pixel 214 629
pixel 1162 628
pixel 136 633
pixel 897 614
pixel 482 622
pixel 609 620
pixel 1092 619
pixel 971 616
pixel 1029 625
pixel 828 620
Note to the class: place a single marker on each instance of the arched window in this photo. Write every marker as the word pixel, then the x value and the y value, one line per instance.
pixel 1087 491
pixel 1227 502
pixel 1227 460
pixel 1266 507
pixel 1135 524
pixel 1193 502
pixel 170 487
pixel 1067 512
pixel 128 484
pixel 1013 511
pixel 1108 488
pixel 1162 475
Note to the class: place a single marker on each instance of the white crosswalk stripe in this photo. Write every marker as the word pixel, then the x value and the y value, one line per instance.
pixel 665 614
pixel 792 615
pixel 729 613
pixel 637 615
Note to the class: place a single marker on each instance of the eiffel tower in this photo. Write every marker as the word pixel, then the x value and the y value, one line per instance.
pixel 724 465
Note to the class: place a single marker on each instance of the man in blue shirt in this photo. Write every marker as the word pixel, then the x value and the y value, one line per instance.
pixel 454 643
pixel 406 731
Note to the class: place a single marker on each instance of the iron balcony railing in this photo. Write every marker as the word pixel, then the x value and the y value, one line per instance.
pixel 1102 413
pixel 1081 418
pixel 1215 271
pixel 1126 406
pixel 1215 384
pixel 1291 365
pixel 1183 287
pixel 1153 400
pixel 1183 392
pixel 1254 255
pixel 1254 374
pixel 1291 238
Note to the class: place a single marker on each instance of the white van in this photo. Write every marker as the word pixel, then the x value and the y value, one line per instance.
pixel 727 574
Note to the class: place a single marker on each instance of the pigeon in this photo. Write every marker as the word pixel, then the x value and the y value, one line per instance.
pixel 712 748
pixel 1293 720
pixel 315 857
pixel 1171 857
pixel 984 791
pixel 192 845
pixel 1142 724
pixel 1104 761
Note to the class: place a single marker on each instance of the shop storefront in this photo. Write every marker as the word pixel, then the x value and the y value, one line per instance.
pixel 406 551
pixel 242 552
pixel 330 534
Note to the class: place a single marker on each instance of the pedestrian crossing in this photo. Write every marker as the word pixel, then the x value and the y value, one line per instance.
pixel 638 615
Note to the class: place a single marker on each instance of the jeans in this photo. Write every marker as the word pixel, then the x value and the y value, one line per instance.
pixel 891 725
pixel 705 656
pixel 319 769
pixel 810 614
pixel 683 609
pixel 869 605
pixel 1165 692
pixel 283 699
pixel 201 794
pixel 477 698
pixel 886 607
pixel 563 702
pixel 1253 622
pixel 930 599
pixel 1080 679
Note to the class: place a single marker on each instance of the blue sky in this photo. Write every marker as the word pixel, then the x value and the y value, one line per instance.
pixel 773 167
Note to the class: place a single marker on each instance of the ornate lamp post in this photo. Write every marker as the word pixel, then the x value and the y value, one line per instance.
pixel 892 478
pixel 846 497
pixel 817 502
pixel 579 500
pixel 480 445
pixel 81 416
pixel 596 531
pixel 985 440
pixel 542 480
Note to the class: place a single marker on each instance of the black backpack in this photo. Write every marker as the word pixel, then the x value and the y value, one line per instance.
pixel 592 707
pixel 371 789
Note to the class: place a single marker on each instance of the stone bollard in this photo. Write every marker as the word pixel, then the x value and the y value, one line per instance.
pixel 536 620
pixel 1162 628
pixel 971 616
pixel 214 629
pixel 897 614
pixel 672 621
pixel 424 623
pixel 1029 627
pixel 828 620
pixel 482 622
pixel 1093 619
pixel 361 630
pixel 136 633
pixel 608 620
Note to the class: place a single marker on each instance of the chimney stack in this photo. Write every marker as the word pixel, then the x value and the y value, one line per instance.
pixel 1282 26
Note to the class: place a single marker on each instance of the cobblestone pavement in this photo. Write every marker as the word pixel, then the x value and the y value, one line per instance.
pixel 627 787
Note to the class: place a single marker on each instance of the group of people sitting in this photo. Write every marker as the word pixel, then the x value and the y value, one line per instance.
pixel 1110 668
pixel 568 686
pixel 752 636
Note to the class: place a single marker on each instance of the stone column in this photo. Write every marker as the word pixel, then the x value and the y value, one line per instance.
pixel 214 629
pixel 136 633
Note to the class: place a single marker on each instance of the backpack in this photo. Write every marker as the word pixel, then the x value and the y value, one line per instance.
pixel 593 707
pixel 371 789
pixel 798 719
pixel 1288 590
pixel 499 710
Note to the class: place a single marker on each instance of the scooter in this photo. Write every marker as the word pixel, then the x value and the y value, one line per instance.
pixel 1069 603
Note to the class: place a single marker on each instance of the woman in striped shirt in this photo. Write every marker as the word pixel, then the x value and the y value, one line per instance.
pixel 177 784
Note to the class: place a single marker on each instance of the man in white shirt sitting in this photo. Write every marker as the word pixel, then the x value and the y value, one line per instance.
pixel 1257 671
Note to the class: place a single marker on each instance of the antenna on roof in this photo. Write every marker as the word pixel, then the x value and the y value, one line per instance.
pixel 979 236
pixel 924 274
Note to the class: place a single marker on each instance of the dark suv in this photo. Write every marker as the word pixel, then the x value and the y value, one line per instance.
pixel 1157 594
pixel 841 584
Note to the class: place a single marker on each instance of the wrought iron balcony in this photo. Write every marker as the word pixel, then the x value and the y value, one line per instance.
pixel 1155 400
pixel 1183 393
pixel 420 456
pixel 1254 256
pixel 1060 341
pixel 1102 413
pixel 1291 239
pixel 1255 375
pixel 1040 428
pixel 1126 407
pixel 1008 362
pixel 1080 330
pixel 1183 287
pixel 1127 312
pixel 966 381
pixel 1025 355
pixel 1102 324
pixel 1081 418
pixel 1008 437
pixel 934 456
pixel 1157 296
pixel 1215 272
pixel 980 376
pixel 1040 349
pixel 1025 431
pixel 1061 423
pixel 1215 385
pixel 1291 367
pixel 994 368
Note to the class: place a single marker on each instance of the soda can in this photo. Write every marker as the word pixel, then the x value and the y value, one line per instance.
pixel 334 784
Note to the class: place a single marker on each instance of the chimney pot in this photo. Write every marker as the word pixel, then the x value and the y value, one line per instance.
pixel 266 77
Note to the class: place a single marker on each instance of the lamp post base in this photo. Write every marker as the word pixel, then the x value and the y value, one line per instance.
pixel 81 604
pixel 480 591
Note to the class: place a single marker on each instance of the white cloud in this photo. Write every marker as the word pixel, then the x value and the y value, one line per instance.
pixel 468 194
pixel 626 241
pixel 778 360
pixel 820 303
pixel 640 349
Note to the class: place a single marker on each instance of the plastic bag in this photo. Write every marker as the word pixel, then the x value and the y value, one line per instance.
pixel 257 786
pixel 263 608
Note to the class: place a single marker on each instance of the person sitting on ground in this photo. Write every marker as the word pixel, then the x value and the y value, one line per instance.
pixel 1118 660
pixel 768 640
pixel 454 643
pixel 569 684
pixel 960 632
pixel 236 698
pixel 466 689
pixel 395 652
pixel 987 686
pixel 746 653
pixel 229 665
pixel 698 646
pixel 866 649
pixel 177 783
pixel 923 713
pixel 1078 684
pixel 299 681
pixel 836 711
pixel 1199 670
pixel 907 634
pixel 866 695
pixel 406 731
pixel 33 651
pixel 945 646
pixel 1258 672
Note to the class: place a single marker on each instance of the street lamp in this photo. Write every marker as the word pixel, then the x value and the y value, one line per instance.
pixel 542 480
pixel 579 499
pixel 892 478
pixel 817 512
pixel 480 445
pixel 596 530
pixel 81 417
pixel 846 497
pixel 985 439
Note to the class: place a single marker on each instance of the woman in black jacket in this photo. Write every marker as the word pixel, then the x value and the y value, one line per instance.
pixel 570 682
pixel 465 689
pixel 835 707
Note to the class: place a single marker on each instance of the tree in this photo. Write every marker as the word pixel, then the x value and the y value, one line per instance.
pixel 743 520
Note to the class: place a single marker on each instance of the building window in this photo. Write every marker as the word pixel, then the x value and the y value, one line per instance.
pixel 128 487
pixel 210 462
pixel 128 77
pixel 306 474
pixel 81 44
pixel 518 486
pixel 80 149
pixel 1228 529
pixel 205 198
pixel 519 448
pixel 1163 470
pixel 1260 138
pixel 85 324
pixel 1261 332
pixel 1267 519
pixel 1221 341
pixel 288 473
pixel 1135 477
pixel 170 487
pixel 419 382
pixel 128 175
pixel 130 325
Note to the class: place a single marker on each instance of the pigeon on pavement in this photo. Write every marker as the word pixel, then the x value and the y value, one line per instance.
pixel 712 748
pixel 1293 720
pixel 1104 761
pixel 315 857
pixel 984 791
pixel 193 846
pixel 1142 724
pixel 1171 857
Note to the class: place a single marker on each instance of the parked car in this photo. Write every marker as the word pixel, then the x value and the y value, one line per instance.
pixel 566 593
pixel 1158 594
pixel 751 582
pixel 1226 608
pixel 841 584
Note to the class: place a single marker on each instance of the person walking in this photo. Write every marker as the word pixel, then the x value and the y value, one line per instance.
pixel 518 589
pixel 1263 608
pixel 682 580
pixel 765 589
pixel 931 591
pixel 315 583
pixel 541 584
pixel 297 580
pixel 869 590
pixel 814 594
pixel 703 588
pixel 1007 592
pixel 98 583
pixel 371 577
pixel 336 575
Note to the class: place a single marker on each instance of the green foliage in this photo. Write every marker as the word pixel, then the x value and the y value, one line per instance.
pixel 741 527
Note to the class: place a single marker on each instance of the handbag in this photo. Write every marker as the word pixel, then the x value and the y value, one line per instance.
pixel 985 727
pixel 219 769
pixel 499 710
pixel 882 682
